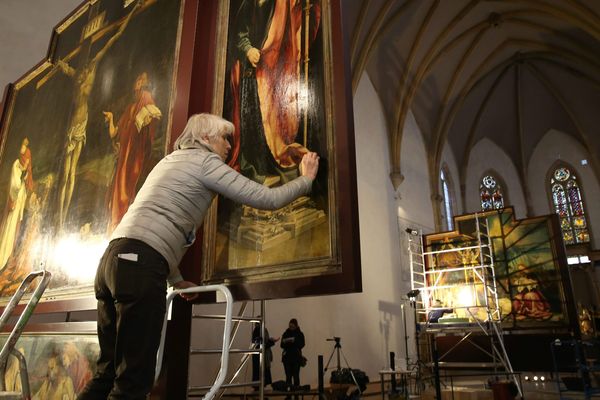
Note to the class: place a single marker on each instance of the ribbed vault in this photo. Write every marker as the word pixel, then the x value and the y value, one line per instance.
pixel 505 70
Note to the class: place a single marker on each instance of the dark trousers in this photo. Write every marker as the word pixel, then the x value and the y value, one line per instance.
pixel 256 371
pixel 131 307
pixel 292 372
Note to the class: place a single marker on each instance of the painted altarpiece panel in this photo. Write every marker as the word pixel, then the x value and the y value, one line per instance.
pixel 80 133
pixel 59 365
pixel 528 262
pixel 276 80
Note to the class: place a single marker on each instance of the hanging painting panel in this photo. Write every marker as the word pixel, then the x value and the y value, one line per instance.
pixel 59 365
pixel 81 132
pixel 276 81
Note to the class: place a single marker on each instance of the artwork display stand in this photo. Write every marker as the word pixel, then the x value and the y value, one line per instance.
pixel 482 295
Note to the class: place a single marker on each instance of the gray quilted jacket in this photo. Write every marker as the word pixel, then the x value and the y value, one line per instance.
pixel 172 203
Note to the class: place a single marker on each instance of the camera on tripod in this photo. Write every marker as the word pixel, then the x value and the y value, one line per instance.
pixel 345 375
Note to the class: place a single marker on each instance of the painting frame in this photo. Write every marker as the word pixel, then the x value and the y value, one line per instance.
pixel 171 115
pixel 339 271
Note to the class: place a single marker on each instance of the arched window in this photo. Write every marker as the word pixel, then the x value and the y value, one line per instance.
pixel 447 211
pixel 491 193
pixel 568 204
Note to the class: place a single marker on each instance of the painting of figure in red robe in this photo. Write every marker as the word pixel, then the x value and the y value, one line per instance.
pixel 79 136
pixel 275 93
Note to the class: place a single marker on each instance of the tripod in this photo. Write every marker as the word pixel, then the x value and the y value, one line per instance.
pixel 419 365
pixel 337 350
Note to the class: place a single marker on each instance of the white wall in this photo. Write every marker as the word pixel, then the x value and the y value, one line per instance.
pixel 484 156
pixel 554 146
pixel 414 204
pixel 449 159
pixel 369 323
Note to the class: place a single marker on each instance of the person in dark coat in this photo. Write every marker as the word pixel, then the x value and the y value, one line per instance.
pixel 256 341
pixel 292 342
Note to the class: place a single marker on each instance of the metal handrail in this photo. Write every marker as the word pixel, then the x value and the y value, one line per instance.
pixel 226 333
pixel 9 346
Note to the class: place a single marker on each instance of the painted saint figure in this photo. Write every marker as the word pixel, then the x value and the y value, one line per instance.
pixel 20 184
pixel 529 302
pixel 134 136
pixel 57 384
pixel 84 78
pixel 76 366
pixel 266 83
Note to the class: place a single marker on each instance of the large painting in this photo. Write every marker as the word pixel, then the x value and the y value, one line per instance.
pixel 81 132
pixel 59 366
pixel 532 289
pixel 274 82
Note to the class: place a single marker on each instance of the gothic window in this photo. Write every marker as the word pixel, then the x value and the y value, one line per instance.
pixel 447 212
pixel 568 204
pixel 491 193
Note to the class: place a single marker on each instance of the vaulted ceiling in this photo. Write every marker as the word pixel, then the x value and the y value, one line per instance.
pixel 505 70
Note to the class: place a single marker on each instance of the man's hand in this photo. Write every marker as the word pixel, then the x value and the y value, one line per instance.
pixel 253 56
pixel 185 285
pixel 309 165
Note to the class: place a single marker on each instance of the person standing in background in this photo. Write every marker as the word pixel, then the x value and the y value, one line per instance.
pixel 292 342
pixel 256 341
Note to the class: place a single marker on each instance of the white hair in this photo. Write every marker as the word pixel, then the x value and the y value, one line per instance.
pixel 199 126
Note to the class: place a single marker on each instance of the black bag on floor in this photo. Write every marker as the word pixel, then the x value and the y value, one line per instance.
pixel 344 376
pixel 279 386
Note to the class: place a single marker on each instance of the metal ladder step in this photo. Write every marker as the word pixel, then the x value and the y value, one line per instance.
pixel 219 351
pixel 222 317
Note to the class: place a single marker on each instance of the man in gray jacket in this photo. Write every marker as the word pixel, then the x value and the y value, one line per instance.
pixel 149 242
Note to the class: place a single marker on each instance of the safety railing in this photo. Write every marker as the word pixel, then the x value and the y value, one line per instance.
pixel 226 333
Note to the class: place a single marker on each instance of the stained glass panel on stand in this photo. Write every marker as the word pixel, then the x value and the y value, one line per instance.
pixel 568 204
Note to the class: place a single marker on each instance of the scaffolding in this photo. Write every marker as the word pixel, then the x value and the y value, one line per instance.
pixel 467 284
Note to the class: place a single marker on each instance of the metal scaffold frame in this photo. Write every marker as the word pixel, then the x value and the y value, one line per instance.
pixel 482 305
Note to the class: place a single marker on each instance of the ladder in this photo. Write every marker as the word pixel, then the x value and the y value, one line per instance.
pixel 212 391
pixel 9 347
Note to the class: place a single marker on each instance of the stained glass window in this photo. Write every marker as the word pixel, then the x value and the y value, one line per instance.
pixel 447 212
pixel 491 193
pixel 568 204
